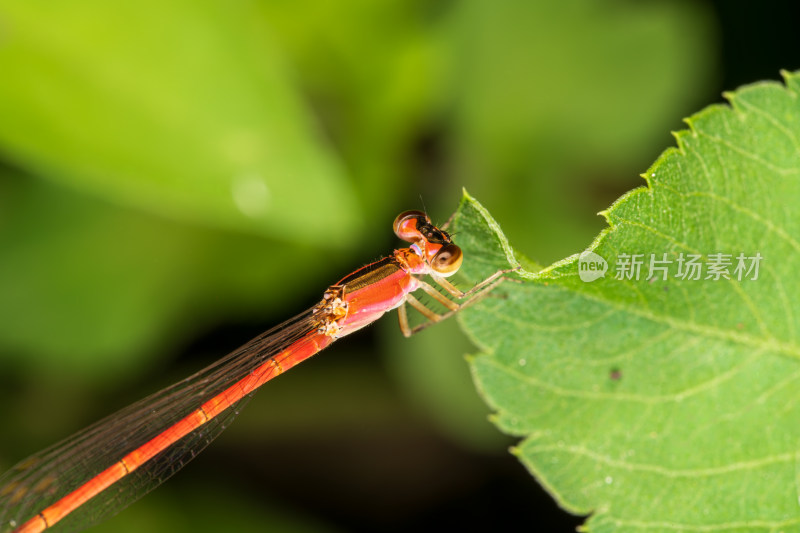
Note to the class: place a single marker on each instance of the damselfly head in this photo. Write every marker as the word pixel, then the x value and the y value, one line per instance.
pixel 435 245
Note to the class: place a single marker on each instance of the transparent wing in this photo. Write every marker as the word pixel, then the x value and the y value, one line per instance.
pixel 44 478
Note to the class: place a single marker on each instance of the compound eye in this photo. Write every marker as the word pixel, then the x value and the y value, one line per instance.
pixel 405 225
pixel 447 261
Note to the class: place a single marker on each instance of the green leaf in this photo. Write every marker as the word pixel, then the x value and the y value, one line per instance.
pixel 180 108
pixel 663 405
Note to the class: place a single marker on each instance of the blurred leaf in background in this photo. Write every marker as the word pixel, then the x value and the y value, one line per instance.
pixel 180 144
pixel 179 108
pixel 553 97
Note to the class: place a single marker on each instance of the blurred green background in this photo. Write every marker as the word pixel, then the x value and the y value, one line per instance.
pixel 176 177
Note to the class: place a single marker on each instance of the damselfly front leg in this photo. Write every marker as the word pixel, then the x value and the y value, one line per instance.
pixel 463 299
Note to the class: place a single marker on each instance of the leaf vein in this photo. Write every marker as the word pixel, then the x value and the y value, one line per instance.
pixel 672 473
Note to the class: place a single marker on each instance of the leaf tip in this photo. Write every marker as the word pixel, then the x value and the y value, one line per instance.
pixel 493 226
pixel 732 98
pixel 790 79
pixel 647 177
